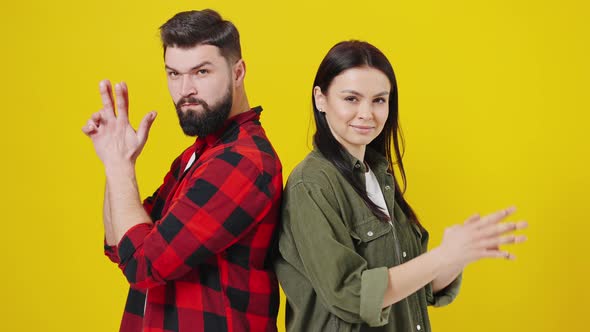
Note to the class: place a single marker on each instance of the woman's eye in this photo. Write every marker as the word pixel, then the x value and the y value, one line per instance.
pixel 351 99
pixel 380 100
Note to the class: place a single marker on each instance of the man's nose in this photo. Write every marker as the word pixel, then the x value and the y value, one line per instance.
pixel 188 87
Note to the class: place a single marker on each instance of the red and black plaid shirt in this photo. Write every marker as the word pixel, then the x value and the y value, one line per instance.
pixel 205 261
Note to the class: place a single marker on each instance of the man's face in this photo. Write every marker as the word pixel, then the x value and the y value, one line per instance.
pixel 200 83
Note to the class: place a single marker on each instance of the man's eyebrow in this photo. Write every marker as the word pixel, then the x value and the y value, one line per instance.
pixel 202 64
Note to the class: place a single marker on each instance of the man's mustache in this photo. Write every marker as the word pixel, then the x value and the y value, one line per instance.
pixel 191 100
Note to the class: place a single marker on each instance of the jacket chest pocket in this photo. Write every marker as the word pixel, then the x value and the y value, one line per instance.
pixel 413 241
pixel 373 240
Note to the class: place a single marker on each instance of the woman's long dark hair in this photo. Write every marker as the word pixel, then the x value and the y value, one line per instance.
pixel 354 54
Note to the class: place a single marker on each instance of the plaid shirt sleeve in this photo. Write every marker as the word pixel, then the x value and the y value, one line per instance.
pixel 148 205
pixel 225 197
pixel 111 251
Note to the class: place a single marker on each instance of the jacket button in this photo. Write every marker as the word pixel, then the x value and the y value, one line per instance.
pixel 387 188
pixel 357 165
pixel 369 233
pixel 418 327
pixel 404 254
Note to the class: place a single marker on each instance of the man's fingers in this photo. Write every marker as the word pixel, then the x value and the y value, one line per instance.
pixel 144 127
pixel 96 118
pixel 89 128
pixel 106 96
pixel 125 94
pixel 122 110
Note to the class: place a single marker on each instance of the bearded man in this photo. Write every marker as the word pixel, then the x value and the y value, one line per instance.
pixel 196 252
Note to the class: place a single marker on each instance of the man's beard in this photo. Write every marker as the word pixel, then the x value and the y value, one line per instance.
pixel 209 120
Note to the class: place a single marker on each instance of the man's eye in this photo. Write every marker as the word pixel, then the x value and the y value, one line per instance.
pixel 172 74
pixel 203 71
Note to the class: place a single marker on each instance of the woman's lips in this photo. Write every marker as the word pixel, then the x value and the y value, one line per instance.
pixel 362 129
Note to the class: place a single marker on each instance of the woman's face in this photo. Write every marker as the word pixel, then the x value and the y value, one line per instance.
pixel 356 106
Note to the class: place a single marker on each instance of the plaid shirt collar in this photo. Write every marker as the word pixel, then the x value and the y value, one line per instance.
pixel 229 126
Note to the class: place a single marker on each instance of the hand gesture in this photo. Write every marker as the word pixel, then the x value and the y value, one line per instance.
pixel 480 237
pixel 112 135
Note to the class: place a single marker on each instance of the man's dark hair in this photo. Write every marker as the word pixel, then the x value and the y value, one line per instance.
pixel 202 27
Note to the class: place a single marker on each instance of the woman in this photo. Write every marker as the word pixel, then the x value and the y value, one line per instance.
pixel 353 253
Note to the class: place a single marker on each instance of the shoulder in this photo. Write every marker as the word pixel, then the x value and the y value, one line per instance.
pixel 314 171
pixel 249 148
pixel 181 159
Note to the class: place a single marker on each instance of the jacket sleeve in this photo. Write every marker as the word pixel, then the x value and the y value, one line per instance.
pixel 339 275
pixel 446 295
pixel 226 198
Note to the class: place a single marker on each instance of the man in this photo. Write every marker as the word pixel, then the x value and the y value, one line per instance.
pixel 195 253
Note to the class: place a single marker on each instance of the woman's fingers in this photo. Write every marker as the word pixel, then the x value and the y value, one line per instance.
pixel 495 243
pixel 493 218
pixel 472 219
pixel 497 254
pixel 495 230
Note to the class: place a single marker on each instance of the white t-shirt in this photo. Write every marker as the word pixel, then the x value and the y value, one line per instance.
pixel 190 162
pixel 374 191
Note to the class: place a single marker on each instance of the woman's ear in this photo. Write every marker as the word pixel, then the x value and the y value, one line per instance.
pixel 319 98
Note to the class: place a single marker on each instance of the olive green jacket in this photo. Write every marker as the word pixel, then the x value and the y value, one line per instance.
pixel 335 254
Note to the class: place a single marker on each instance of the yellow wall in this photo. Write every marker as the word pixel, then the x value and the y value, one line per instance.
pixel 493 100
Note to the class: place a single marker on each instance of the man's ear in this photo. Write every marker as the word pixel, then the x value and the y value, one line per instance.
pixel 239 72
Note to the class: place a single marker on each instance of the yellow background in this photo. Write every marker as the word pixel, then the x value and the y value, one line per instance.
pixel 493 101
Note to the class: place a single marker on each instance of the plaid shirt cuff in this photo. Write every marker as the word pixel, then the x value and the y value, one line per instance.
pixel 111 252
pixel 132 241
